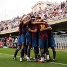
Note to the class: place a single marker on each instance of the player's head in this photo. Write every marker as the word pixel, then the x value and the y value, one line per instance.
pixel 37 17
pixel 23 19
pixel 28 17
pixel 32 18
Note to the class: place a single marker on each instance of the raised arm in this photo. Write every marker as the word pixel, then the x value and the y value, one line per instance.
pixel 35 30
pixel 27 21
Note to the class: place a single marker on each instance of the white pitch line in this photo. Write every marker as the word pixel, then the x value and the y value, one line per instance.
pixel 8 54
pixel 59 63
pixel 50 62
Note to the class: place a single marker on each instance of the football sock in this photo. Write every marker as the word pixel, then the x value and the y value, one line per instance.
pixel 28 52
pixel 54 54
pixel 16 51
pixel 42 53
pixel 22 53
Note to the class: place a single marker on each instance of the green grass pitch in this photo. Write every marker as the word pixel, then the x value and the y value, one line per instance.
pixel 6 59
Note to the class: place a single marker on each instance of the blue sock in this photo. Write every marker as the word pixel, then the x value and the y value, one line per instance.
pixel 42 53
pixel 16 51
pixel 22 53
pixel 35 52
pixel 25 51
pixel 28 52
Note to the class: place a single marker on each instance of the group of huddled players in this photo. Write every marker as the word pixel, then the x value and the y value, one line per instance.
pixel 36 33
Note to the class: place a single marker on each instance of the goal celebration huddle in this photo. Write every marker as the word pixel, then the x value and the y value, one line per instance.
pixel 35 33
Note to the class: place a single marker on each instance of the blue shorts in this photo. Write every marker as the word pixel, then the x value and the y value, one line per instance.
pixel 41 43
pixel 34 42
pixel 28 38
pixel 46 43
pixel 51 42
pixel 21 39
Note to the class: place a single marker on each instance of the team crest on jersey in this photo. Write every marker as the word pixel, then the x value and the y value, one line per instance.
pixel 42 26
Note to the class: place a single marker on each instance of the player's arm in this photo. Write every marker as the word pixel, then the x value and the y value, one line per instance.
pixel 38 22
pixel 41 21
pixel 41 29
pixel 35 30
pixel 48 28
pixel 26 22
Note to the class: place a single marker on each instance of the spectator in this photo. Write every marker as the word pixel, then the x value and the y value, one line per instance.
pixel 16 42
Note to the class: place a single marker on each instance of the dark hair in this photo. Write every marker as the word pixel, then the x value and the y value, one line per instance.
pixel 38 17
pixel 32 16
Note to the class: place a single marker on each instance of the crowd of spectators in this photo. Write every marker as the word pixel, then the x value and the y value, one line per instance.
pixel 54 12
pixel 9 41
pixel 9 24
